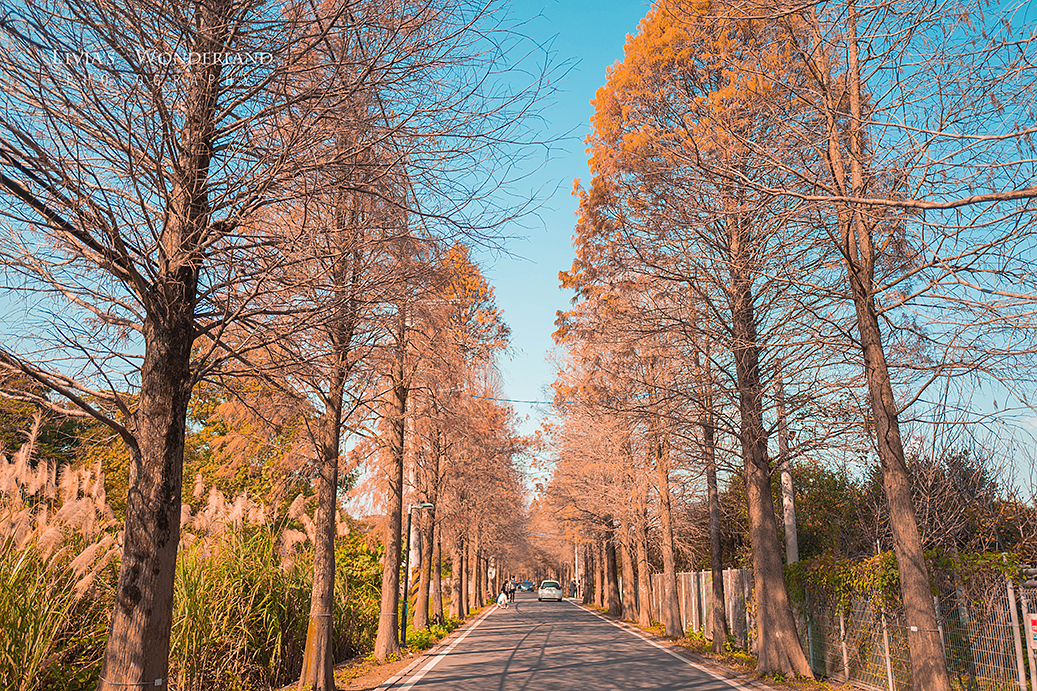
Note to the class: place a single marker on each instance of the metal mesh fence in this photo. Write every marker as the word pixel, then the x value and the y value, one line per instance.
pixel 695 600
pixel 866 643
pixel 979 642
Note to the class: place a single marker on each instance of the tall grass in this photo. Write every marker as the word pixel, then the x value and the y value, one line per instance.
pixel 242 589
pixel 241 612
pixel 239 619
pixel 57 549
pixel 51 638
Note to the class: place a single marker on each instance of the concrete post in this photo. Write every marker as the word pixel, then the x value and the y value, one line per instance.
pixel 1015 634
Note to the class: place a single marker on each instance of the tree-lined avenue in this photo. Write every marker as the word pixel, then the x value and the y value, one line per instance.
pixel 533 646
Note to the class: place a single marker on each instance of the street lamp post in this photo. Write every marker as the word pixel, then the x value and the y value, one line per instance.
pixel 406 571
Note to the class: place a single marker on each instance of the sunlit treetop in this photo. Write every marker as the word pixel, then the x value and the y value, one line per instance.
pixel 474 318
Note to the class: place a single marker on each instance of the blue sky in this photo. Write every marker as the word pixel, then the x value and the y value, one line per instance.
pixel 590 36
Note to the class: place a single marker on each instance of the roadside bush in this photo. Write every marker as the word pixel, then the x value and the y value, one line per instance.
pixel 239 618
pixel 423 639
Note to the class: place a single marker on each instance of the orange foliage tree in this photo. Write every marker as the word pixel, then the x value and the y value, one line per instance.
pixel 714 269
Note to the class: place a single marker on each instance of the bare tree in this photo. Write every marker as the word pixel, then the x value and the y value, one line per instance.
pixel 348 277
pixel 910 127
pixel 138 142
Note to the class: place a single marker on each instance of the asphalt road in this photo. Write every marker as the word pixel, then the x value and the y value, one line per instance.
pixel 547 646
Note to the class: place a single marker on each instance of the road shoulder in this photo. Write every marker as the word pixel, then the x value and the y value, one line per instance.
pixel 717 669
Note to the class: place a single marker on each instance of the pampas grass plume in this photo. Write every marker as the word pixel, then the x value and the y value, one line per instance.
pixel 21 527
pixel 69 484
pixel 257 514
pixel 216 503
pixel 8 485
pixel 238 511
pixel 87 579
pixel 311 529
pixel 290 540
pixel 47 540
pixel 297 508
pixel 21 463
pixel 85 559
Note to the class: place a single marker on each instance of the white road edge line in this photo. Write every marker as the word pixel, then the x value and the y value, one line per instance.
pixel 634 632
pixel 439 656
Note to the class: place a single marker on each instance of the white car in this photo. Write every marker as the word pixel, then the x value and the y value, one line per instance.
pixel 549 590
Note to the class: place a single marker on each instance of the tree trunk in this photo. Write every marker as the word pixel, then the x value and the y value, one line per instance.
pixel 629 578
pixel 465 585
pixel 670 607
pixel 716 562
pixel 928 665
pixel 477 580
pixel 718 619
pixel 928 668
pixel 473 578
pixel 430 540
pixel 598 562
pixel 137 652
pixel 460 581
pixel 480 579
pixel 588 574
pixel 469 566
pixel 318 655
pixel 413 556
pixel 437 574
pixel 386 642
pixel 318 660
pixel 779 647
pixel 615 602
pixel 456 564
pixel 644 569
pixel 788 498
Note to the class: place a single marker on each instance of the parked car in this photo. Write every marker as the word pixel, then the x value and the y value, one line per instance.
pixel 549 590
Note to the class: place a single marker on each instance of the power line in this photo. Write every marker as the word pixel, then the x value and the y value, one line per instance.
pixel 569 400
pixel 511 400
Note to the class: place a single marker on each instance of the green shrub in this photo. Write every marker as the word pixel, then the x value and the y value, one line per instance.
pixel 241 611
pixel 58 559
pixel 423 639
